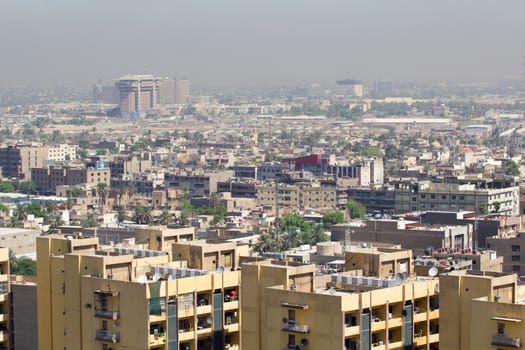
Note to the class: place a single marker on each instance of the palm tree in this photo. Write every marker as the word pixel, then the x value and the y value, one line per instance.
pixel 130 190
pixel 142 215
pixel 13 261
pixel 20 213
pixel 90 221
pixel 56 221
pixel 165 217
pixel 121 214
pixel 50 207
pixel 102 191
pixel 4 209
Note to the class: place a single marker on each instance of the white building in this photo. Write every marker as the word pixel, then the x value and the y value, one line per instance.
pixel 62 152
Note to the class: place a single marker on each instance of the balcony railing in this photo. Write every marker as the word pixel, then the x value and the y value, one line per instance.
pixel 297 328
pixel 109 314
pixel 108 293
pixel 107 336
pixel 501 340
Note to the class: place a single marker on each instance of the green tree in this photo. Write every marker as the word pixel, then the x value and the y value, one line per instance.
pixel 90 221
pixel 55 221
pixel 142 215
pixel 101 152
pixel 36 209
pixel 24 267
pixel 121 214
pixel 355 209
pixel 333 218
pixel 20 213
pixel 372 151
pixel 511 168
pixel 165 217
pixel 75 192
pixel 4 209
pixel 82 152
pixel 6 187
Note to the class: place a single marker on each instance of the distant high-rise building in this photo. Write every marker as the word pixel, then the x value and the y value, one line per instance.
pixel 352 87
pixel 167 92
pixel 97 92
pixel 137 94
pixel 383 88
pixel 182 91
pixel 110 95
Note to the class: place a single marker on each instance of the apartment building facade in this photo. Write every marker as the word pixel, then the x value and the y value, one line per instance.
pixel 17 161
pixel 296 197
pixel 47 179
pixel 131 299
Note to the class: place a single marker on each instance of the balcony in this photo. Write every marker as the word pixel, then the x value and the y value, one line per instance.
pixel 157 339
pixel 351 330
pixel 107 336
pixel 231 305
pixel 107 314
pixel 502 340
pixel 107 293
pixel 296 328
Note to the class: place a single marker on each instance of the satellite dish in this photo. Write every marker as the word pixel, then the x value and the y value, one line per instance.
pixel 433 271
pixel 404 275
pixel 220 269
pixel 142 279
pixel 170 278
pixel 331 290
pixel 156 276
pixel 209 320
pixel 304 342
pixel 364 245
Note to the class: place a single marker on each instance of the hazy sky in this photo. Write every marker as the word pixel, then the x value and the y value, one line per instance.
pixel 260 42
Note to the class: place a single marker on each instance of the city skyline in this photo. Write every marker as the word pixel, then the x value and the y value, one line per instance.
pixel 233 43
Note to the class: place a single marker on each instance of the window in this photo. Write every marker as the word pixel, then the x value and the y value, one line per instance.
pixel 291 339
pixel 461 198
pixel 291 316
pixel 516 268
pixel 453 197
pixel 515 248
pixel 443 196
pixel 423 196
pixel 515 258
pixel 501 329
pixel 432 196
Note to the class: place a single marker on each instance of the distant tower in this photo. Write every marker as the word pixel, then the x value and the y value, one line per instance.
pixel 97 92
pixel 182 91
pixel 167 92
pixel 137 94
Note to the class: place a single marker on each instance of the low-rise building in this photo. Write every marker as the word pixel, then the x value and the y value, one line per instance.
pixel 409 234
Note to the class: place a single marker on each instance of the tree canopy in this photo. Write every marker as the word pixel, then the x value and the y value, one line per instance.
pixel 333 218
pixel 355 209
pixel 293 232
pixel 511 168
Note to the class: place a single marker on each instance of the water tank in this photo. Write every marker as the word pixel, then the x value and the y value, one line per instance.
pixel 326 248
pixel 100 165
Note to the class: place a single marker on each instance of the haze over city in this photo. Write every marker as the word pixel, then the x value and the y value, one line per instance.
pixel 263 43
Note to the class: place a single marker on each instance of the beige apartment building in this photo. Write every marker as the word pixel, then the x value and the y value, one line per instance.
pixel 296 197
pixel 16 161
pixel 288 311
pixel 471 314
pixel 130 299
pixel 49 178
